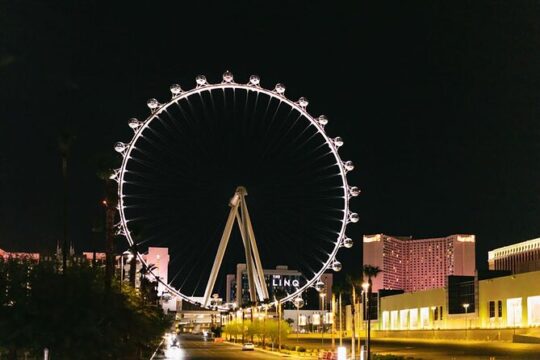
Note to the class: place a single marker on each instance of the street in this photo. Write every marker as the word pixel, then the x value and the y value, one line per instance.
pixel 195 347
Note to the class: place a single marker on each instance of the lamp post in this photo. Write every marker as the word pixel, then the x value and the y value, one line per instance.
pixel 365 287
pixel 466 307
pixel 340 322
pixel 298 302
pixel 322 295
pixel 332 318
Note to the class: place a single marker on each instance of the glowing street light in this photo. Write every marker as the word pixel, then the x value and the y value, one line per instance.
pixel 322 295
pixel 365 288
pixel 466 307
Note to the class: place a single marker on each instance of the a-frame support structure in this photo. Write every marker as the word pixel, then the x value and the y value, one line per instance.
pixel 256 282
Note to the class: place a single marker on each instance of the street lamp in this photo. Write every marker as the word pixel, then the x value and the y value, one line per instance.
pixel 298 302
pixel 366 288
pixel 466 307
pixel 322 295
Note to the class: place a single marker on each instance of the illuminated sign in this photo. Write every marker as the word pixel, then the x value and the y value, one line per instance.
pixel 278 281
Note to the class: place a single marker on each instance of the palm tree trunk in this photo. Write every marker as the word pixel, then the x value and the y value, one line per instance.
pixel 65 214
pixel 110 213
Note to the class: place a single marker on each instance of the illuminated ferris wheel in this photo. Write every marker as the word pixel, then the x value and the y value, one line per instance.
pixel 231 138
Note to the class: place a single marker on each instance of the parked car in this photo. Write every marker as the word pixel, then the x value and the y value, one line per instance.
pixel 248 346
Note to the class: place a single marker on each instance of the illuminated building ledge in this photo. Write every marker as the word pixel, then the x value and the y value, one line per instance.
pixel 503 302
pixel 518 248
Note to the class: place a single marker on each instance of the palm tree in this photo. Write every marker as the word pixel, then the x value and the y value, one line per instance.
pixel 340 288
pixel 65 140
pixel 354 301
pixel 148 289
pixel 105 170
pixel 370 272
pixel 133 249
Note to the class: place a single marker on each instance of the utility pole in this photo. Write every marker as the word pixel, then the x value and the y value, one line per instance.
pixel 279 325
pixel 333 318
pixel 353 313
pixel 340 323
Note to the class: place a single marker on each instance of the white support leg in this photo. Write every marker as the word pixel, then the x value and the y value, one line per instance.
pixel 219 256
pixel 249 257
pixel 258 264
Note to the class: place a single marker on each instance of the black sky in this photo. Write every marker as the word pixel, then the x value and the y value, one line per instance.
pixel 438 102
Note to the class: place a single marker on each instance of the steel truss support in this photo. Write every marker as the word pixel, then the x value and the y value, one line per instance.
pixel 256 282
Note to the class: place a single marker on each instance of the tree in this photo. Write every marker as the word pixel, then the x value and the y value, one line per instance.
pixel 106 165
pixel 370 272
pixel 275 327
pixel 148 289
pixel 65 141
pixel 65 312
pixel 234 328
pixel 340 288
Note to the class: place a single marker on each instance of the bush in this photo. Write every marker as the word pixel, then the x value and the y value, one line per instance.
pixel 301 349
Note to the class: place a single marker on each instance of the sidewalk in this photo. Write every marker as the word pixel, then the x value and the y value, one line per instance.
pixel 277 354
pixel 495 345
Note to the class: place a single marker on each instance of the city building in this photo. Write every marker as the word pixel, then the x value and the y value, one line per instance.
pixel 517 258
pixel 19 255
pixel 306 321
pixel 418 264
pixel 279 281
pixel 511 301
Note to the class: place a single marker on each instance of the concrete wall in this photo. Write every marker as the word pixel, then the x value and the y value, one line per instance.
pixel 520 286
pixel 519 295
pixel 461 334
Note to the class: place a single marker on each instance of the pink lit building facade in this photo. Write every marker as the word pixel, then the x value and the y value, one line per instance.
pixel 418 264
pixel 19 255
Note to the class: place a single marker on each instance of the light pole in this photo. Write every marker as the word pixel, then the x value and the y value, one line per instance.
pixel 298 302
pixel 332 318
pixel 366 288
pixel 322 295
pixel 340 322
pixel 466 307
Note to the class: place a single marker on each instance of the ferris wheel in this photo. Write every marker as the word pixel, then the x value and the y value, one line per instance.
pixel 200 145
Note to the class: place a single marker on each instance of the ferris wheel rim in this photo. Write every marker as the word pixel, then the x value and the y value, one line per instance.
pixel 273 94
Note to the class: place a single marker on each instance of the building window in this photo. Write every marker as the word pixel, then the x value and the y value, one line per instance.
pixel 386 320
pixel 513 312
pixel 499 308
pixel 441 313
pixel 424 317
pixel 492 309
pixel 533 309
pixel 404 319
pixel 394 320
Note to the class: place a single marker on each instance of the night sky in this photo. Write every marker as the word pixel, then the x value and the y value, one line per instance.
pixel 437 102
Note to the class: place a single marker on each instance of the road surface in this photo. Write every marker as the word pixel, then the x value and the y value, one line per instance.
pixel 194 347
